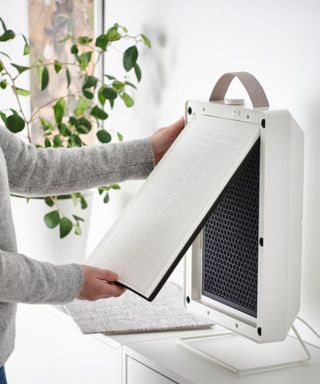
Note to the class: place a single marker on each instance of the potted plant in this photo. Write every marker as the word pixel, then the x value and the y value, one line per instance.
pixel 75 116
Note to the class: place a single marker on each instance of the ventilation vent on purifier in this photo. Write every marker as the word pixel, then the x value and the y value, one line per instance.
pixel 230 240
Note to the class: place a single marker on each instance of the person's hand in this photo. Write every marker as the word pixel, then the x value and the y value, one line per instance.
pixel 99 284
pixel 162 139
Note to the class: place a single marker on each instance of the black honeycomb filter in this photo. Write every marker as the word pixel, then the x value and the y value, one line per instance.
pixel 231 238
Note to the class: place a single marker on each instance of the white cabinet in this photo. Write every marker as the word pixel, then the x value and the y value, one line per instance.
pixel 138 373
pixel 50 349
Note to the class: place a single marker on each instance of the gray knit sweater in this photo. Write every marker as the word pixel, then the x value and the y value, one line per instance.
pixel 28 171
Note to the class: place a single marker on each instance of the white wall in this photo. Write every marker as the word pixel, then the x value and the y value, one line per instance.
pixel 194 42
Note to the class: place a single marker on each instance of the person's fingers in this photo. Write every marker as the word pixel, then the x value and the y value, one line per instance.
pixel 110 290
pixel 99 283
pixel 107 275
pixel 178 126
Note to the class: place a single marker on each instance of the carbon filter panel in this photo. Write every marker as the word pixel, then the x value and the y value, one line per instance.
pixel 230 240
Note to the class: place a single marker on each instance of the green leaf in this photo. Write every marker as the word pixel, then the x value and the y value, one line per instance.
pixel 64 130
pixel 130 57
pixel 120 137
pixel 65 227
pixel 77 229
pixel 47 143
pixel 111 103
pixel 52 219
pixel 84 125
pixel 110 77
pixel 3 84
pixel 46 125
pixel 49 201
pixel 3 24
pixel 20 68
pixel 90 81
pixel 99 113
pixel 83 40
pixel 44 78
pixel 74 49
pixel 114 186
pixel 104 136
pixel 7 35
pixel 137 71
pixel 39 67
pixel 14 122
pixel 113 34
pixel 101 98
pixel 58 109
pixel 102 42
pixel 84 59
pixel 74 140
pixel 57 141
pixel 109 93
pixel 3 118
pixel 83 203
pixel 64 39
pixel 26 48
pixel 78 218
pixel 102 189
pixel 127 100
pixel 130 84
pixel 57 66
pixel 118 85
pixel 146 40
pixel 22 92
pixel 68 75
pixel 82 106
pixel 89 95
pixel 82 129
pixel 106 198
pixel 73 121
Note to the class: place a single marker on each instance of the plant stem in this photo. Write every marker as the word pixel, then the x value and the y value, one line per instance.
pixel 33 116
pixel 98 58
pixel 55 202
pixel 13 86
pixel 43 65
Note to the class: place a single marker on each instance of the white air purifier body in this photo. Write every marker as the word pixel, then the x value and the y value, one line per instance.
pixel 243 270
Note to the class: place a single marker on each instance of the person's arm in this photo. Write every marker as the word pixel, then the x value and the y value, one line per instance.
pixel 49 171
pixel 25 280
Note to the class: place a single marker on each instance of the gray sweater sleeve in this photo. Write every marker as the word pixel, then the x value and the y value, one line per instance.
pixel 43 172
pixel 24 280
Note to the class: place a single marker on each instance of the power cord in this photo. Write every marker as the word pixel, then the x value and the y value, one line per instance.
pixel 308 326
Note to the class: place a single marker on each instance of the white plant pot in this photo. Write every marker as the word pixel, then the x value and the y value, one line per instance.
pixel 37 241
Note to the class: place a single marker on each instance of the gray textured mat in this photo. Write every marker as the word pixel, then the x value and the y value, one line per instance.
pixel 132 314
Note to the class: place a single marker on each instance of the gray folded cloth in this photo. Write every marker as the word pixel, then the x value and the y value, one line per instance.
pixel 130 313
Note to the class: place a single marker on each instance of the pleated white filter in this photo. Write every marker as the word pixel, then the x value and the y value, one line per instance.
pixel 165 213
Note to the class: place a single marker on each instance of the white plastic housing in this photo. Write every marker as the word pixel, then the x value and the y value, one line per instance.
pixel 280 226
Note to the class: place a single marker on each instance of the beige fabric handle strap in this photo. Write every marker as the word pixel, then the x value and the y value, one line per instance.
pixel 251 84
